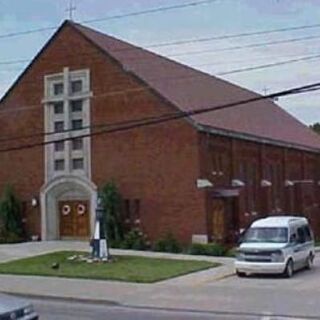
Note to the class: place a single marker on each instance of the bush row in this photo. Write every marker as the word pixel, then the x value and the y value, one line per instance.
pixel 136 240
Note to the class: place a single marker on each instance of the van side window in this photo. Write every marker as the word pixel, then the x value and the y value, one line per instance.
pixel 307 233
pixel 301 235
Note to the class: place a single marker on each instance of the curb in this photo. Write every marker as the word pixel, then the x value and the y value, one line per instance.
pixel 215 278
pixel 63 299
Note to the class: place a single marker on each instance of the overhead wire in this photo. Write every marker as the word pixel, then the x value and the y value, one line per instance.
pixel 114 17
pixel 247 46
pixel 191 53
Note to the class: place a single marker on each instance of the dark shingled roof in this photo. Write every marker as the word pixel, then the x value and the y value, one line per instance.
pixel 190 89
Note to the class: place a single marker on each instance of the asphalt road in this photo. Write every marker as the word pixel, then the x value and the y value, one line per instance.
pixel 65 310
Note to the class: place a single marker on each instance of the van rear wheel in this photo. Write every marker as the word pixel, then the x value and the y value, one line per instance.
pixel 288 272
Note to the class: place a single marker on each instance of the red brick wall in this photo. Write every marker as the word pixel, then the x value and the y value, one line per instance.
pixel 302 198
pixel 157 164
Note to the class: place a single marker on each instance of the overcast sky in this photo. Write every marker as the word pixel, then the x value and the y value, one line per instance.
pixel 207 20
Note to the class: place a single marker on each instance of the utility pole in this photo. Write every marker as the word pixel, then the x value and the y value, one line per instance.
pixel 265 92
pixel 70 10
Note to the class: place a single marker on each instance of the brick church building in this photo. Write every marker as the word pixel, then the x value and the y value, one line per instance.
pixel 255 159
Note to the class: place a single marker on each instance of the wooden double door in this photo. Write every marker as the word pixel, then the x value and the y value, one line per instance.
pixel 224 220
pixel 74 219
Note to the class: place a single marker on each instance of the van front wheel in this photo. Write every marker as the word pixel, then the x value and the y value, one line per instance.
pixel 309 262
pixel 288 272
pixel 240 274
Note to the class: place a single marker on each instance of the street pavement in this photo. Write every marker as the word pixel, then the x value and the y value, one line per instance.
pixel 66 310
pixel 217 291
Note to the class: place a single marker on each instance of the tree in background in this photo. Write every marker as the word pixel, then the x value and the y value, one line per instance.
pixel 11 228
pixel 316 127
pixel 111 202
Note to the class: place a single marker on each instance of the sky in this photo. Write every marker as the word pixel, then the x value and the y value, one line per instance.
pixel 206 20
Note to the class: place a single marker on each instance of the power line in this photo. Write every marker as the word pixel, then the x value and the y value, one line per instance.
pixel 189 53
pixel 232 36
pixel 115 17
pixel 247 46
pixel 128 125
pixel 148 11
pixel 270 65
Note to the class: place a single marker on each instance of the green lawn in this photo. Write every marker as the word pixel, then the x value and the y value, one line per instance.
pixel 123 268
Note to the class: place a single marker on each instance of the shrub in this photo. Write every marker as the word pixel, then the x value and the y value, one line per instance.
pixel 135 240
pixel 11 229
pixel 10 237
pixel 210 249
pixel 231 252
pixel 167 244
pixel 115 244
pixel 111 202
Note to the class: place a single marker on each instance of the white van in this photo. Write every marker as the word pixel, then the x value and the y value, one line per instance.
pixel 280 244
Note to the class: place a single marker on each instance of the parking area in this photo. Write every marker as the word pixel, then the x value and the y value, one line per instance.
pixel 302 280
pixel 274 296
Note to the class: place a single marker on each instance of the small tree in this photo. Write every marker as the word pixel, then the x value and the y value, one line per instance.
pixel 10 214
pixel 315 127
pixel 111 202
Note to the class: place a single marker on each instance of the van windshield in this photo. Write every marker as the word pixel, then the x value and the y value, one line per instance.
pixel 274 235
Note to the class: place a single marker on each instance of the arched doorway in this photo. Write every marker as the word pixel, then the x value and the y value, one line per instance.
pixel 68 208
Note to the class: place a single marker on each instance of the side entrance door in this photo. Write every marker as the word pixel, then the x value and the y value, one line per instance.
pixel 218 220
pixel 224 223
pixel 74 219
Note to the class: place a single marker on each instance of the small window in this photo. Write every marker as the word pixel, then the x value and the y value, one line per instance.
pixel 58 107
pixel 76 124
pixel 76 86
pixel 58 88
pixel 59 165
pixel 301 235
pixel 76 105
pixel 127 212
pixel 136 208
pixel 77 164
pixel 77 144
pixel 58 126
pixel 307 233
pixel 59 146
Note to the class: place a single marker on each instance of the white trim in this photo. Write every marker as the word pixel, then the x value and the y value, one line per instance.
pixel 265 183
pixel 67 154
pixel 237 183
pixel 203 183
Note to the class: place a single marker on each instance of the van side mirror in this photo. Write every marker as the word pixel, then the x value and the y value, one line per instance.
pixel 293 238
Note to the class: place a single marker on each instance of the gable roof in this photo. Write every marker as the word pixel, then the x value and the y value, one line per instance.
pixel 189 89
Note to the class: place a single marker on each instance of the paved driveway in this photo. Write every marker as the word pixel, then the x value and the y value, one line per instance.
pixel 298 296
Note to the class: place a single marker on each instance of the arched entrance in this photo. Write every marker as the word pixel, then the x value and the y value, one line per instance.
pixel 67 208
